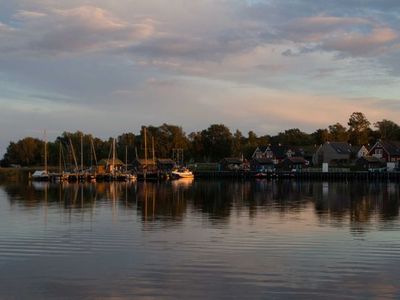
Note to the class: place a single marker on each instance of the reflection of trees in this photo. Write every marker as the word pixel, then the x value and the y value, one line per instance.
pixel 358 201
pixel 160 201
pixel 338 203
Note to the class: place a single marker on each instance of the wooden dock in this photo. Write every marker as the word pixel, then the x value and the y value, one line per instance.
pixel 305 175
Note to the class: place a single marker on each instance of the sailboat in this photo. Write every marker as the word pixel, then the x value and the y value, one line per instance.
pixel 123 176
pixel 42 175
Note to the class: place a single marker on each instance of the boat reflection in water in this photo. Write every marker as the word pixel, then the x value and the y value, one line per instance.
pixel 339 202
pixel 204 239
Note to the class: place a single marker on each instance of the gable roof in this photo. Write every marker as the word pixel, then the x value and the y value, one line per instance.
pixel 165 161
pixel 371 159
pixel 142 161
pixel 392 147
pixel 341 147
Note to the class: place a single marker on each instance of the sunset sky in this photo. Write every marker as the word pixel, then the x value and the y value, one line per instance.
pixel 106 67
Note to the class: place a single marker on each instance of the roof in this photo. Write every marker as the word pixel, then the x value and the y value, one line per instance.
pixel 109 162
pixel 232 160
pixel 142 161
pixel 356 149
pixel 165 161
pixel 372 159
pixel 278 151
pixel 392 147
pixel 263 148
pixel 263 161
pixel 341 147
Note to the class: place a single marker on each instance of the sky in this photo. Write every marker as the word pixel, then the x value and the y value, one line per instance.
pixel 106 67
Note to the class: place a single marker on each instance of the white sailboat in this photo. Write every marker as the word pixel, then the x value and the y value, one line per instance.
pixel 42 175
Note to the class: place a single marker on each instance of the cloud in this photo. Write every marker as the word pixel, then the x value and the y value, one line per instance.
pixel 24 15
pixel 359 44
pixel 75 30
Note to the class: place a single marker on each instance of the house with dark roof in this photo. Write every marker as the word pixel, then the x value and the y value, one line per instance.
pixel 370 163
pixel 262 165
pixel 275 152
pixel 389 151
pixel 141 165
pixel 165 164
pixel 231 164
pixel 293 163
pixel 108 165
pixel 359 151
pixel 333 153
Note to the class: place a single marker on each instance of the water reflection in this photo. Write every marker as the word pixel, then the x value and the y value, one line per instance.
pixel 200 239
pixel 334 203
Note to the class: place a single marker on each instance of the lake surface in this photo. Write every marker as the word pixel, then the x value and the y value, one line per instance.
pixel 200 240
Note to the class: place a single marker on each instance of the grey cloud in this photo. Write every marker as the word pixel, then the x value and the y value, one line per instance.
pixel 80 29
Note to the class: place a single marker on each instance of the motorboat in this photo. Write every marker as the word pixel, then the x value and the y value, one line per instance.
pixel 182 173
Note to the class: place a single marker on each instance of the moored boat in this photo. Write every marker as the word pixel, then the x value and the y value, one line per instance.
pixel 182 173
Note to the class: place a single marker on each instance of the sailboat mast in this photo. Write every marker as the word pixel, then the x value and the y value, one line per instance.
pixel 45 151
pixel 152 145
pixel 81 151
pixel 59 158
pixel 113 158
pixel 145 147
pixel 73 153
pixel 126 159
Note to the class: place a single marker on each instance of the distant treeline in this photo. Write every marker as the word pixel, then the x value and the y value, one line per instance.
pixel 208 145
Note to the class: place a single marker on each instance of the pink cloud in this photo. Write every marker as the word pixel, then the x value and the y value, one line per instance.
pixel 360 44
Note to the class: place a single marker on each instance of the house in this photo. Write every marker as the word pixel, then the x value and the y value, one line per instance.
pixel 165 164
pixel 231 164
pixel 293 163
pixel 359 151
pixel 275 152
pixel 389 151
pixel 370 163
pixel 262 165
pixel 107 165
pixel 333 153
pixel 141 165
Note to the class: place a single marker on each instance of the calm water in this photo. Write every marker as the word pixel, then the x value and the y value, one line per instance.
pixel 201 239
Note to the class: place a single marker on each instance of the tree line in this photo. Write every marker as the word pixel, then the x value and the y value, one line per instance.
pixel 208 145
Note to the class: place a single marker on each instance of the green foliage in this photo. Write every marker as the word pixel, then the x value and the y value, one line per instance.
pixel 358 128
pixel 217 142
pixel 25 152
pixel 338 133
pixel 208 145
pixel 387 129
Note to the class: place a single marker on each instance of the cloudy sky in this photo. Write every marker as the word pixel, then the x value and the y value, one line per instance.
pixel 106 67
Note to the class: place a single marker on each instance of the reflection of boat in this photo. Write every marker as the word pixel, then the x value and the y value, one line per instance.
pixel 260 175
pixel 40 186
pixel 40 176
pixel 183 182
pixel 182 173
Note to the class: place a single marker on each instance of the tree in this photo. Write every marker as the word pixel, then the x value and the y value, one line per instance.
pixel 238 143
pixel 358 128
pixel 387 129
pixel 294 137
pixel 217 142
pixel 25 152
pixel 338 133
pixel 320 136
